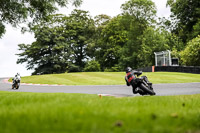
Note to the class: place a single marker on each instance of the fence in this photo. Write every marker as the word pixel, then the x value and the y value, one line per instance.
pixel 145 69
pixel 185 69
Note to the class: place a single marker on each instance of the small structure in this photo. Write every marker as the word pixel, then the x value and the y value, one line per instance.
pixel 175 62
pixel 163 58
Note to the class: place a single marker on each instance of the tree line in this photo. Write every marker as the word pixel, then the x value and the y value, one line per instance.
pixel 78 42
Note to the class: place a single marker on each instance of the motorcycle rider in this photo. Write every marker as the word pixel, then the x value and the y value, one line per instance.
pixel 17 76
pixel 132 80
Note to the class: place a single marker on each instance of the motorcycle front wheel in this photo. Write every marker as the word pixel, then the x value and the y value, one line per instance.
pixel 17 86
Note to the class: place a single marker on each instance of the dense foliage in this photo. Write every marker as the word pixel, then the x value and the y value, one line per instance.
pixel 49 53
pixel 92 66
pixel 16 12
pixel 59 43
pixel 78 42
pixel 191 54
pixel 186 16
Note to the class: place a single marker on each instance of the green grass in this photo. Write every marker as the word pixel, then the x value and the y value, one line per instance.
pixel 82 113
pixel 108 78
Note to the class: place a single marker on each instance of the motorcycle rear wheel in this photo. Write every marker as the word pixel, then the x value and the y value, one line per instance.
pixel 146 89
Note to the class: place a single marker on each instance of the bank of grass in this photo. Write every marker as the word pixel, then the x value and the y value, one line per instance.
pixel 108 78
pixel 82 113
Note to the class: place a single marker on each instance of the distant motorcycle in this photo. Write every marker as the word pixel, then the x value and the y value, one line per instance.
pixel 16 82
pixel 141 84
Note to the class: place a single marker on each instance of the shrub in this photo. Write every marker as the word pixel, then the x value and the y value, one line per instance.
pixel 74 68
pixel 92 66
pixel 190 56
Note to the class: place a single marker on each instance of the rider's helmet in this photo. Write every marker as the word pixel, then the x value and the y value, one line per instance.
pixel 18 74
pixel 128 69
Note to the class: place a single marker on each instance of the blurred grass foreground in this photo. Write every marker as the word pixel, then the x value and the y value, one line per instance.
pixel 22 112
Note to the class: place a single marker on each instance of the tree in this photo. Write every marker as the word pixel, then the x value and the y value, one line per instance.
pixel 186 14
pixel 112 38
pixel 191 54
pixel 153 40
pixel 83 26
pixel 138 15
pixel 50 53
pixel 15 12
pixel 61 43
pixel 100 22
pixel 142 10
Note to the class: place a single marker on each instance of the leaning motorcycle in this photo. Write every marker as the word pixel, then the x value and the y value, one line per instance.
pixel 16 83
pixel 145 85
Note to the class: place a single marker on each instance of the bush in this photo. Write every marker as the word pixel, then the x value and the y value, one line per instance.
pixel 92 66
pixel 190 56
pixel 74 68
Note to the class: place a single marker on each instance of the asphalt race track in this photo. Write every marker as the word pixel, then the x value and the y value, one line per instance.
pixel 113 90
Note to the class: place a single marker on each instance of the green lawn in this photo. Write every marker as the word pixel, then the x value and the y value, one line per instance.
pixel 81 113
pixel 108 78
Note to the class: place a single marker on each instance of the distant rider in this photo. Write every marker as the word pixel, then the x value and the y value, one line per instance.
pixel 17 76
pixel 132 80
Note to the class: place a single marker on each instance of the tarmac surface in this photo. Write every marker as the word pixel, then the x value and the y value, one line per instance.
pixel 107 90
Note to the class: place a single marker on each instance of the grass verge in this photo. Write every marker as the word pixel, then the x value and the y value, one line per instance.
pixel 108 78
pixel 82 113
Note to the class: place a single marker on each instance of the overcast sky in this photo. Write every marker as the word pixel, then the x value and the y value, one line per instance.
pixel 9 42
